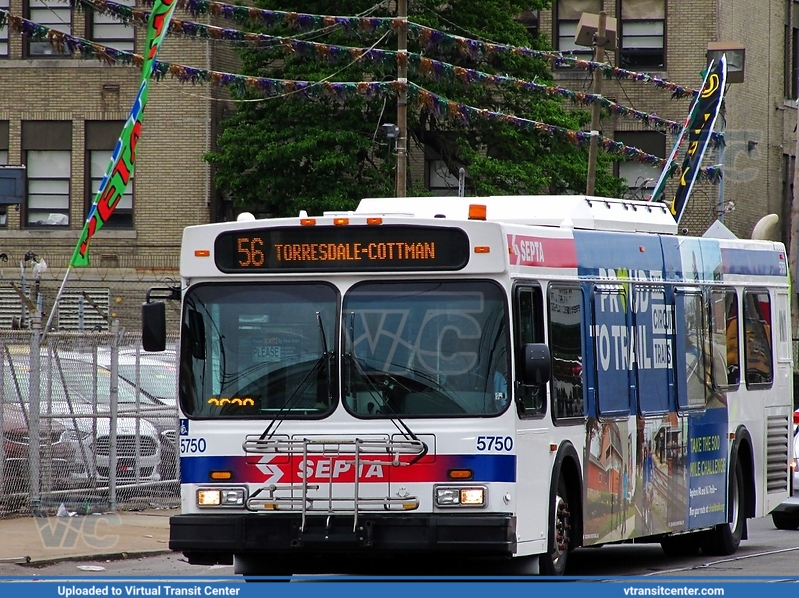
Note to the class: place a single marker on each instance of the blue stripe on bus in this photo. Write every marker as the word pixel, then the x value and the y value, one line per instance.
pixel 247 469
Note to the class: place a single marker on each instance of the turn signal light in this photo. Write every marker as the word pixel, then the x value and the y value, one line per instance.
pixel 460 474
pixel 221 475
pixel 202 253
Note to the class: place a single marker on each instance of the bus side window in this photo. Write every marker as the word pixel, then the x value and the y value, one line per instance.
pixel 692 365
pixel 529 312
pixel 725 364
pixel 566 347
pixel 757 338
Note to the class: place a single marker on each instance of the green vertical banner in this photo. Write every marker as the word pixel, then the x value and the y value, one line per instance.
pixel 120 169
pixel 703 121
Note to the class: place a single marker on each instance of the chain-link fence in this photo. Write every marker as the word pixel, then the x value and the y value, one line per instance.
pixel 89 422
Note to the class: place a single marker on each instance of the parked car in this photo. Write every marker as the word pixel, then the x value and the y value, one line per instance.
pixel 90 438
pixel 786 515
pixel 79 398
pixel 56 452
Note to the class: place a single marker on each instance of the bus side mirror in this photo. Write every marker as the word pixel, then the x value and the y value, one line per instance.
pixel 537 364
pixel 153 326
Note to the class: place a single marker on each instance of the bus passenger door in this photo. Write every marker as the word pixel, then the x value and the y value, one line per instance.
pixel 532 442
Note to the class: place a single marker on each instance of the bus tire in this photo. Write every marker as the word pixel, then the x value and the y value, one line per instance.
pixel 785 521
pixel 553 562
pixel 724 539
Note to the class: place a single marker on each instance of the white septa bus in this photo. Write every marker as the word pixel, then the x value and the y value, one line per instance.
pixel 496 378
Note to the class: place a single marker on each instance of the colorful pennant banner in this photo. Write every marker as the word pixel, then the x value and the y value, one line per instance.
pixel 432 39
pixel 120 169
pixel 416 63
pixel 702 122
pixel 341 91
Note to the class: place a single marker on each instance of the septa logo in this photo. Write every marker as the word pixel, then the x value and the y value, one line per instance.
pixel 342 470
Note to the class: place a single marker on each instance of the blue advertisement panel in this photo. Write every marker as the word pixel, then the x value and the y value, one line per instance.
pixel 708 448
pixel 614 352
pixel 652 320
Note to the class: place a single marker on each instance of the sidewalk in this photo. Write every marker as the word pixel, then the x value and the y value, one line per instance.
pixel 110 535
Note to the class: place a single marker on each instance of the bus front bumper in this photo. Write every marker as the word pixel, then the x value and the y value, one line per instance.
pixel 212 538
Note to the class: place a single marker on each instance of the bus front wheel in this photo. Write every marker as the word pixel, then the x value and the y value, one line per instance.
pixel 553 562
pixel 725 538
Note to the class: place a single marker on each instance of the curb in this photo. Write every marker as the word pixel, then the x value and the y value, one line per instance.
pixel 110 556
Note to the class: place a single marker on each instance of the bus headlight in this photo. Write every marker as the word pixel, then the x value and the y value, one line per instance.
pixel 458 496
pixel 220 497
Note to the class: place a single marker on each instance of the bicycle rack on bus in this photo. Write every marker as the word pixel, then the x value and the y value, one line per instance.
pixel 361 452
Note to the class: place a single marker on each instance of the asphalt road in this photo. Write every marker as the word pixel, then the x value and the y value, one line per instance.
pixel 767 552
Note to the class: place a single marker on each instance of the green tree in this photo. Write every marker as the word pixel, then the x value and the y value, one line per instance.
pixel 281 155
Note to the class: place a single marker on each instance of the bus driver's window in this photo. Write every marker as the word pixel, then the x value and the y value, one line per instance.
pixel 529 329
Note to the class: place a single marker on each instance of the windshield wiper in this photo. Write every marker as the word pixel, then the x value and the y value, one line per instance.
pixel 297 393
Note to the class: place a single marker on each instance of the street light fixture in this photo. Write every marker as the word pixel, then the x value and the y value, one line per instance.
pixel 391 131
pixel 598 31
pixel 736 58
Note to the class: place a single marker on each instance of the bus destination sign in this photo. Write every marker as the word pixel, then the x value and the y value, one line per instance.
pixel 342 248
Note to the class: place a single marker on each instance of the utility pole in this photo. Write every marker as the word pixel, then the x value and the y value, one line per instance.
pixel 402 96
pixel 600 41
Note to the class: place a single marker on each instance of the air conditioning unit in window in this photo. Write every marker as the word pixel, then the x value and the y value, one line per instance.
pixel 57 219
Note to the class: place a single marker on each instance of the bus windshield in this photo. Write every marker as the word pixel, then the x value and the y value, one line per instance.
pixel 259 350
pixel 427 349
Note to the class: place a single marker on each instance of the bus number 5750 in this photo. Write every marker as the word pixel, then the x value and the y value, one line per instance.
pixel 494 443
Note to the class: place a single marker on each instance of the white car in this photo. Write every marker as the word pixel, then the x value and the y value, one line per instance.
pixel 91 439
pixel 786 515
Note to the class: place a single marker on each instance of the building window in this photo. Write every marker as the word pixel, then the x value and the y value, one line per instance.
pixel 3 142
pixel 566 19
pixel 54 14
pixel 441 180
pixel 109 31
pixel 4 4
pixel 529 19
pixel 641 178
pixel 101 137
pixel 643 34
pixel 3 162
pixel 47 149
pixel 792 53
pixel 795 64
